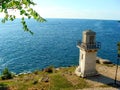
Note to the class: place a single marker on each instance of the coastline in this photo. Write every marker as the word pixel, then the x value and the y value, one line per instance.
pixel 99 60
pixel 48 78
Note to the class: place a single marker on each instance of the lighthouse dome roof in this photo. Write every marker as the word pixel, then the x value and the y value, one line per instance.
pixel 89 32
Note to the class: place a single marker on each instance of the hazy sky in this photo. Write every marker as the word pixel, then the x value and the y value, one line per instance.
pixel 83 9
pixel 87 9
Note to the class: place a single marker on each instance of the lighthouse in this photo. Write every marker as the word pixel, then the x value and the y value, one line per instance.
pixel 88 51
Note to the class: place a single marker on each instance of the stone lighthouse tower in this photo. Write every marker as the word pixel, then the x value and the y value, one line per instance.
pixel 87 58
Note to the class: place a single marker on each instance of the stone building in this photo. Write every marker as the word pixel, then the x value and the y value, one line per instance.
pixel 88 53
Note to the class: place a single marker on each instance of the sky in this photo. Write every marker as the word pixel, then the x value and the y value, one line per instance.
pixel 83 9
pixel 77 9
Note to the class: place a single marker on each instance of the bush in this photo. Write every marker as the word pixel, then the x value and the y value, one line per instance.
pixel 49 69
pixel 3 86
pixel 6 74
pixel 36 72
pixel 35 82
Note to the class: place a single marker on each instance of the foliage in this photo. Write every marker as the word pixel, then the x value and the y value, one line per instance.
pixel 35 82
pixel 57 81
pixel 24 9
pixel 49 69
pixel 36 72
pixel 6 74
pixel 3 86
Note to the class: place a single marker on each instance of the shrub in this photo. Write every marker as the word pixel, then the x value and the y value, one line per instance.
pixel 35 82
pixel 3 86
pixel 6 74
pixel 49 69
pixel 36 72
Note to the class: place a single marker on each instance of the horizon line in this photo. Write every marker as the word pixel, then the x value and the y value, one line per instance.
pixel 70 18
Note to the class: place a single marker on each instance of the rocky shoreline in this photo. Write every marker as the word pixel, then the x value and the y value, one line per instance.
pixel 103 61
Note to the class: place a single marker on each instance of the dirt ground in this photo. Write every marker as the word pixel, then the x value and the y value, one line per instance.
pixel 105 78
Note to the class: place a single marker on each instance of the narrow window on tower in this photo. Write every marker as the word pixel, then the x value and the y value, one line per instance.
pixel 91 40
pixel 82 56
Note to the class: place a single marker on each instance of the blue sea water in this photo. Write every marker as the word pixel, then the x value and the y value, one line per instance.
pixel 53 43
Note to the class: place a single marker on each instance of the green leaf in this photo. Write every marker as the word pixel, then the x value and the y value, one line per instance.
pixel 26 11
pixel 3 20
pixel 30 10
pixel 22 12
pixel 29 17
pixel 14 16
pixel 1 10
pixel 26 14
pixel 5 11
pixel 3 5
pixel 22 18
pixel 31 32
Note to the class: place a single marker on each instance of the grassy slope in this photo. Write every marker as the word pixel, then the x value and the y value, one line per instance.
pixel 62 79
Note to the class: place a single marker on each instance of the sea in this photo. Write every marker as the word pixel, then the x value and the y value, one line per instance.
pixel 53 43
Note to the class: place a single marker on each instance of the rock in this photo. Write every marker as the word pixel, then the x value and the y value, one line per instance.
pixel 97 61
pixel 40 79
pixel 103 61
pixel 45 79
pixel 57 69
pixel 106 61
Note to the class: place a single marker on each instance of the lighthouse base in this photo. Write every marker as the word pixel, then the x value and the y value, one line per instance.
pixel 85 74
pixel 78 71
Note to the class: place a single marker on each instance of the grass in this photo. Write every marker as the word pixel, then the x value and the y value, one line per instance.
pixel 62 79
pixel 59 82
pixel 3 86
pixel 50 79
